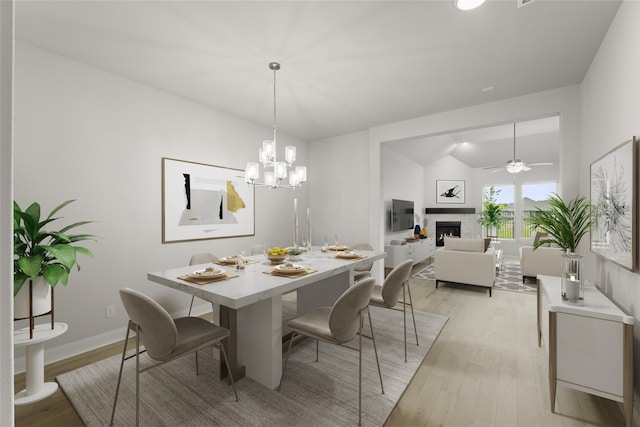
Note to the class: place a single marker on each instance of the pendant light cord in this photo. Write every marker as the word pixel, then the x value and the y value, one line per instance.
pixel 274 106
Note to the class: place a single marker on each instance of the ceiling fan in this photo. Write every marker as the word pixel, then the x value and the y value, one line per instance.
pixel 516 165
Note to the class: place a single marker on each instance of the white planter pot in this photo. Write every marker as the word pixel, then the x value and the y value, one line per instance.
pixel 41 299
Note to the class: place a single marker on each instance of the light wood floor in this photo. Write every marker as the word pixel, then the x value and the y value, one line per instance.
pixel 485 369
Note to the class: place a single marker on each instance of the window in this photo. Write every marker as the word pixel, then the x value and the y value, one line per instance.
pixel 534 196
pixel 504 195
pixel 518 215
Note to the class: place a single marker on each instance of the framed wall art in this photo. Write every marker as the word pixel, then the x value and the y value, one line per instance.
pixel 201 201
pixel 613 205
pixel 449 191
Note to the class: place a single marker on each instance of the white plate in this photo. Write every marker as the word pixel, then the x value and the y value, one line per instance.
pixel 228 260
pixel 285 268
pixel 347 255
pixel 208 274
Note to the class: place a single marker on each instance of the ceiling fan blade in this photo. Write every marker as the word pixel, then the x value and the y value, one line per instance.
pixel 526 168
pixel 497 170
pixel 540 164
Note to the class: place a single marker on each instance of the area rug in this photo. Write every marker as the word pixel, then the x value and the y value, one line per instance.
pixel 323 393
pixel 508 278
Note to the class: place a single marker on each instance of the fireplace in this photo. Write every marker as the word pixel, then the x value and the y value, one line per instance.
pixel 446 228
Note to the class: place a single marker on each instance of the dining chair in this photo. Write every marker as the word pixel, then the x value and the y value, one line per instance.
pixel 200 258
pixel 339 325
pixel 388 295
pixel 164 338
pixel 364 270
pixel 258 249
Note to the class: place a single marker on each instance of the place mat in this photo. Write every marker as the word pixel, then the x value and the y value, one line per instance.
pixel 300 273
pixel 206 280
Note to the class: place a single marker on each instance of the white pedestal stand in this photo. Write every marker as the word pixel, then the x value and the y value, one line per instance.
pixel 36 389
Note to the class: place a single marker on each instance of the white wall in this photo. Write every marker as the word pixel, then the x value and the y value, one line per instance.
pixel 448 168
pixel 402 179
pixel 6 212
pixel 339 189
pixel 82 133
pixel 611 115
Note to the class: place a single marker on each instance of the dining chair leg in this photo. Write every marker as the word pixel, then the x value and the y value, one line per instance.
pixel 137 375
pixel 415 329
pixel 286 359
pixel 226 361
pixel 375 350
pixel 197 370
pixel 317 349
pixel 404 322
pixel 360 371
pixel 124 352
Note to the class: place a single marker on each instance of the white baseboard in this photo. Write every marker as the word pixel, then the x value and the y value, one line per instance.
pixel 61 352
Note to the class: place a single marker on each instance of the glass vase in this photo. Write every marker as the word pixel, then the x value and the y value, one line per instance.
pixel 572 288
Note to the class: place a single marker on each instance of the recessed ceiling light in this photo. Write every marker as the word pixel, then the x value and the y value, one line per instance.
pixel 468 4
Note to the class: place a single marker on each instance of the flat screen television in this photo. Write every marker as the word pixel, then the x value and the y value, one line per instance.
pixel 401 215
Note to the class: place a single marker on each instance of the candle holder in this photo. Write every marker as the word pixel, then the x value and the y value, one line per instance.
pixel 572 288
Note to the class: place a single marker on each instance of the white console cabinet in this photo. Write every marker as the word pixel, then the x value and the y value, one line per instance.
pixel 590 346
pixel 417 251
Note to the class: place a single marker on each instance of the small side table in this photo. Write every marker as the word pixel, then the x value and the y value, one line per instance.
pixel 498 251
pixel 36 389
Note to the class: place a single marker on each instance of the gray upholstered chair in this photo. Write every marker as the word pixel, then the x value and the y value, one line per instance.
pixel 339 325
pixel 388 295
pixel 200 258
pixel 258 249
pixel 164 338
pixel 362 271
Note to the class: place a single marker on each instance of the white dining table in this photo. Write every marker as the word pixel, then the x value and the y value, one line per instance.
pixel 251 305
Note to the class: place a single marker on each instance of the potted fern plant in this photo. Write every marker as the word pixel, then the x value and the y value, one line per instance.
pixel 565 224
pixel 42 256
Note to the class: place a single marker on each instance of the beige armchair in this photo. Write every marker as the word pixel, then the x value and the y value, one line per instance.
pixel 465 261
pixel 544 260
pixel 547 259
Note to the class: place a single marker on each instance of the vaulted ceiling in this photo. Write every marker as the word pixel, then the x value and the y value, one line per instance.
pixel 346 65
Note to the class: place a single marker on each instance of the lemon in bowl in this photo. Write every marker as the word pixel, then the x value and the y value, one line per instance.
pixel 276 254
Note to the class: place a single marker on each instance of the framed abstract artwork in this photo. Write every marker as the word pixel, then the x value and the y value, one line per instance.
pixel 449 191
pixel 613 205
pixel 201 201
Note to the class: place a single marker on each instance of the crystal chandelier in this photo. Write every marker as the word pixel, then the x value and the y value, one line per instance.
pixel 275 172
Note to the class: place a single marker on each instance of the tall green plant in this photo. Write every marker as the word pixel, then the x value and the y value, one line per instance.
pixel 565 223
pixel 491 215
pixel 38 252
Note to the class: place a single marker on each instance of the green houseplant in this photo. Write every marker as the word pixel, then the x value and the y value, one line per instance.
pixel 491 215
pixel 565 223
pixel 42 253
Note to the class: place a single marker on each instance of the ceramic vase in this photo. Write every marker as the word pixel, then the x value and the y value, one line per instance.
pixel 41 292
